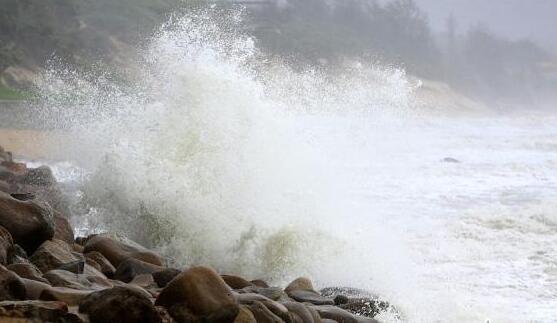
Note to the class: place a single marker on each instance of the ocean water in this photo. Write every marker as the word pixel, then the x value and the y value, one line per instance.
pixel 219 154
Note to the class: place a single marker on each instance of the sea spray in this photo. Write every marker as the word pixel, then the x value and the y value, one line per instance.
pixel 219 154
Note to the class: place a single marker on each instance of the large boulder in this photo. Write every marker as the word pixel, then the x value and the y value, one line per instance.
pixel 117 251
pixel 37 311
pixel 302 290
pixel 30 223
pixel 52 254
pixel 119 304
pixel 199 293
pixel 12 287
pixel 132 267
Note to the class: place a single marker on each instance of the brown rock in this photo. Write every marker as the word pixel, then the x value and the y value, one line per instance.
pixel 76 267
pixel 6 243
pixel 302 290
pixel 72 297
pixel 106 267
pixel 245 315
pixel 28 271
pixel 16 255
pixel 41 311
pixel 77 247
pixel 29 223
pixel 93 264
pixel 116 251
pixel 263 315
pixel 302 312
pixel 260 283
pixel 144 281
pixel 63 229
pixel 52 254
pixel 63 278
pixel 274 293
pixel 164 315
pixel 339 315
pixel 163 277
pixel 236 282
pixel 12 287
pixel 199 293
pixel 34 288
pixel 119 304
pixel 131 267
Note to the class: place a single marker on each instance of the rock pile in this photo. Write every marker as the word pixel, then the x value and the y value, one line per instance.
pixel 48 276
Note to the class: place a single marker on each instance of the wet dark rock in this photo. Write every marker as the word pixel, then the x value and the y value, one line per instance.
pixel 105 266
pixel 70 296
pixel 199 293
pixel 23 196
pixel 29 223
pixel 77 247
pixel 53 254
pixel 34 288
pixel 76 267
pixel 38 311
pixel 116 251
pixel 450 160
pixel 260 283
pixel 28 271
pixel 163 277
pixel 12 287
pixel 16 255
pixel 339 315
pixel 357 301
pixel 302 313
pixel 274 293
pixel 144 281
pixel 41 176
pixel 263 315
pixel 236 282
pixel 119 304
pixel 302 290
pixel 131 267
pixel 245 315
pixel 63 278
pixel 5 186
pixel 63 229
pixel 164 315
pixel 6 243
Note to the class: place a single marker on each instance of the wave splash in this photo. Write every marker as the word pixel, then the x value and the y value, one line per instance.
pixel 217 153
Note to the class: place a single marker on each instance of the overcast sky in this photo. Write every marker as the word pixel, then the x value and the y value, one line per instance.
pixel 514 19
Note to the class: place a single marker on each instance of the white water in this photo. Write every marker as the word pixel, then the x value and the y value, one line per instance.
pixel 248 166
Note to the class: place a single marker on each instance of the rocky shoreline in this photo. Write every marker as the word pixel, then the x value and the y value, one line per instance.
pixel 49 275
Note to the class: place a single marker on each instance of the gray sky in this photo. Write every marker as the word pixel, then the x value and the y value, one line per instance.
pixel 513 19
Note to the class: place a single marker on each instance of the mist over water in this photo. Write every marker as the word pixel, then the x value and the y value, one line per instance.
pixel 221 155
